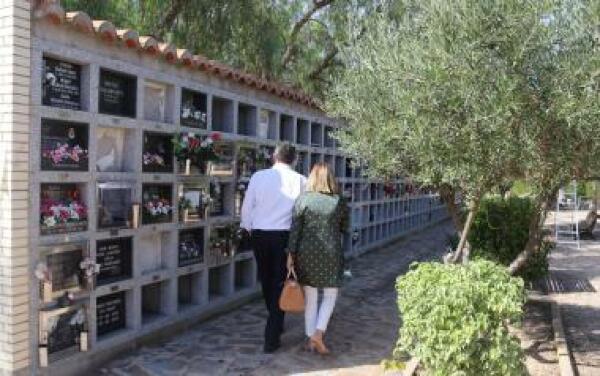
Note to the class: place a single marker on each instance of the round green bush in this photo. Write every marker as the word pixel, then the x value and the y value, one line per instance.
pixel 455 318
pixel 500 231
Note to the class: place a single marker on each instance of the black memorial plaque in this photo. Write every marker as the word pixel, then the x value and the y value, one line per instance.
pixel 191 247
pixel 64 330
pixel 64 146
pixel 117 93
pixel 114 257
pixel 110 313
pixel 61 84
pixel 193 109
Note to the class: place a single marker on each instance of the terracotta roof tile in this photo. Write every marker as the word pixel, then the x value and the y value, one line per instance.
pixel 130 38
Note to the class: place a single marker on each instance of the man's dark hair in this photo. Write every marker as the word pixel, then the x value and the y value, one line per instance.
pixel 285 153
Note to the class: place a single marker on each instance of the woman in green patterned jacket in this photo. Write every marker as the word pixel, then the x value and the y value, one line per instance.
pixel 315 249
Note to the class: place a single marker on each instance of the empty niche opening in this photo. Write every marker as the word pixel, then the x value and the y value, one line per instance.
pixel 189 290
pixel 303 132
pixel 154 252
pixel 158 102
pixel 267 125
pixel 302 163
pixel 112 312
pixel 314 159
pixel 348 168
pixel 340 167
pixel 247 120
pixel 153 301
pixel 222 115
pixel 329 140
pixel 114 148
pixel 286 128
pixel 330 161
pixel 219 282
pixel 316 135
pixel 245 275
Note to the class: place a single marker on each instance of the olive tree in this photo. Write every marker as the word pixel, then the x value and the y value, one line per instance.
pixel 468 95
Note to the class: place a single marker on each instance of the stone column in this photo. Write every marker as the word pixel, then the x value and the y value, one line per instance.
pixel 15 319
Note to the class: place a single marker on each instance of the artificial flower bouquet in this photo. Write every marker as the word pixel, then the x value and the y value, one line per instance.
pixel 62 215
pixel 63 154
pixel 156 210
pixel 195 150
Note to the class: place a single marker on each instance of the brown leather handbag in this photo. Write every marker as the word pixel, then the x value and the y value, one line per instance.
pixel 292 295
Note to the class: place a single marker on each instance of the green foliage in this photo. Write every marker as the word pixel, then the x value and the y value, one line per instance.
pixel 249 34
pixel 501 230
pixel 455 318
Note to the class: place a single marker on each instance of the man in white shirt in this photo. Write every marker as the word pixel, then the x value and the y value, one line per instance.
pixel 267 215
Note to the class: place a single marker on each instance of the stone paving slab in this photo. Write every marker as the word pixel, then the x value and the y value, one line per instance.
pixel 362 331
pixel 580 310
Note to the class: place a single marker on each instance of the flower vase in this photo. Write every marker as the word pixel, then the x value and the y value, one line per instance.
pixel 135 215
pixel 188 167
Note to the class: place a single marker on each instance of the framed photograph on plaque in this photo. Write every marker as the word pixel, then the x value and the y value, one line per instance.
pixel 111 313
pixel 158 153
pixel 62 209
pixel 157 203
pixel 64 329
pixel 115 202
pixel 61 84
pixel 194 200
pixel 117 93
pixel 191 247
pixel 60 270
pixel 64 146
pixel 115 259
pixel 193 109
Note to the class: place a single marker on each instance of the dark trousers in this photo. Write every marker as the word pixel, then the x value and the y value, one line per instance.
pixel 269 250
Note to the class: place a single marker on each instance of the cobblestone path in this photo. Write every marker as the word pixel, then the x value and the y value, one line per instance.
pixel 362 331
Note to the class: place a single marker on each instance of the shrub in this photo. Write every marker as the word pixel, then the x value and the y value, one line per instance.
pixel 500 231
pixel 455 318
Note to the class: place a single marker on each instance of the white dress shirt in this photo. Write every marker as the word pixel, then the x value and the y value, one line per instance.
pixel 270 198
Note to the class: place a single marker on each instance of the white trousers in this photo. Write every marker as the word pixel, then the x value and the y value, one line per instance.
pixel 318 317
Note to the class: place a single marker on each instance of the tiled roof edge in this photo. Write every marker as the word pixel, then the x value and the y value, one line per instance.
pixel 129 38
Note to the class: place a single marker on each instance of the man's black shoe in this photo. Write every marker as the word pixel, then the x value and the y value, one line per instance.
pixel 270 349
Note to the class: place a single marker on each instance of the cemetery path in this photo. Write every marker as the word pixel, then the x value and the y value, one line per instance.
pixel 575 273
pixel 362 331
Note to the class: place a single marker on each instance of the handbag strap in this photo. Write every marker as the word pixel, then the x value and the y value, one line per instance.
pixel 292 273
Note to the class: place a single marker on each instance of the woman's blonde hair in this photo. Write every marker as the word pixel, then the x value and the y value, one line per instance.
pixel 321 179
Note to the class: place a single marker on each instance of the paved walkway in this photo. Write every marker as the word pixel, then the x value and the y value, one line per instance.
pixel 578 272
pixel 363 329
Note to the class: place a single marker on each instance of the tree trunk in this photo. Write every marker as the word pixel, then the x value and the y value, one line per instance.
pixel 448 196
pixel 536 226
pixel 463 248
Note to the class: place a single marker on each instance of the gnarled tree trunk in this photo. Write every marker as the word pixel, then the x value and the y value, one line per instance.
pixel 536 227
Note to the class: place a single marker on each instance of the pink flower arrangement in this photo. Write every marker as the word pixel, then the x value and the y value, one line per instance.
pixel 153 159
pixel 158 206
pixel 57 212
pixel 65 153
